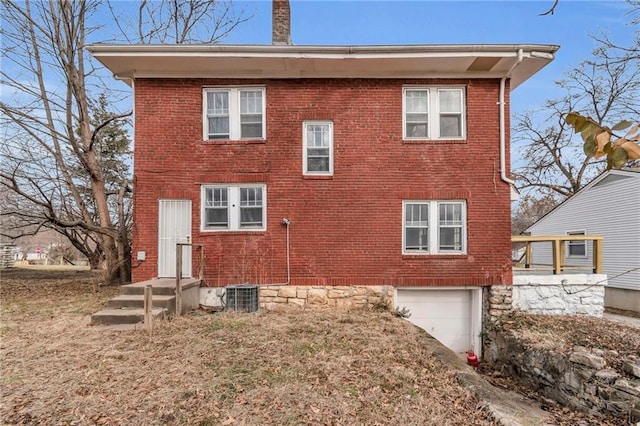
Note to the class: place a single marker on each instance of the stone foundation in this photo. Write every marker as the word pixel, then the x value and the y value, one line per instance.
pixel 567 294
pixel 497 301
pixel 301 297
pixel 585 379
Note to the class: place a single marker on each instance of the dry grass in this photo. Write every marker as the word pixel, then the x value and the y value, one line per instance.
pixel 334 368
pixel 563 334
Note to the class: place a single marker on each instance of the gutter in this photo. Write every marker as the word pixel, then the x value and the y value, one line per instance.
pixel 438 50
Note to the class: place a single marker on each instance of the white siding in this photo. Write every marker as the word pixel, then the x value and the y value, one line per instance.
pixel 610 207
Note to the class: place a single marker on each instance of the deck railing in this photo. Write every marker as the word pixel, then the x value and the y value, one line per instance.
pixel 558 244
pixel 179 247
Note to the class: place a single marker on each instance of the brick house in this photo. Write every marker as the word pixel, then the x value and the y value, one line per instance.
pixel 365 171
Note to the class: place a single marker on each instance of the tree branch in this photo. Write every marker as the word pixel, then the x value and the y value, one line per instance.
pixel 552 10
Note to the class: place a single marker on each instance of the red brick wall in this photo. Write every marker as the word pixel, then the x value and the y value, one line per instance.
pixel 346 229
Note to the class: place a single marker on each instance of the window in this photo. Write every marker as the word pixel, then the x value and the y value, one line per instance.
pixel 233 208
pixel 234 113
pixel 318 147
pixel 577 248
pixel 434 227
pixel 434 113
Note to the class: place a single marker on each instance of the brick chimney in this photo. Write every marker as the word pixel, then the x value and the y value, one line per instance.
pixel 281 22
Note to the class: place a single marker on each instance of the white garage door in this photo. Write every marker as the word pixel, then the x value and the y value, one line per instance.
pixel 447 315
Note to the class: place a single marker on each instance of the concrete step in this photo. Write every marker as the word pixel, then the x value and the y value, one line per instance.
pixel 125 316
pixel 161 289
pixel 137 301
pixel 162 286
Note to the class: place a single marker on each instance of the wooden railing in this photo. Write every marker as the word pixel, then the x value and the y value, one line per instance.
pixel 558 244
pixel 179 247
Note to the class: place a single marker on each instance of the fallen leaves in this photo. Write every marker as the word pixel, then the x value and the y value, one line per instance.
pixel 328 367
pixel 566 332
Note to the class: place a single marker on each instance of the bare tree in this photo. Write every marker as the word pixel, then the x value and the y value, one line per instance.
pixel 64 152
pixel 529 210
pixel 552 157
pixel 177 22
pixel 616 51
pixel 51 142
pixel 551 10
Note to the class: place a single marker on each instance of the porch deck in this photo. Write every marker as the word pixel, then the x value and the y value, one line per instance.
pixel 558 254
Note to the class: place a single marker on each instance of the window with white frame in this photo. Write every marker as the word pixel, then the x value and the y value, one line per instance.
pixel 234 113
pixel 317 152
pixel 577 248
pixel 433 113
pixel 434 227
pixel 234 208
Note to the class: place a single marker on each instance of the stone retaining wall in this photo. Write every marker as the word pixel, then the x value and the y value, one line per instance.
pixel 300 297
pixel 497 301
pixel 585 380
pixel 566 294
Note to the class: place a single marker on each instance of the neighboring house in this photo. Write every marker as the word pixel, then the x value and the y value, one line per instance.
pixel 607 206
pixel 329 166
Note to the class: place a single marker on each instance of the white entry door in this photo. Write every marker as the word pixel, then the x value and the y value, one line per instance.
pixel 174 226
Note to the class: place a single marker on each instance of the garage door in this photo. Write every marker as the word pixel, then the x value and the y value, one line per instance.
pixel 444 314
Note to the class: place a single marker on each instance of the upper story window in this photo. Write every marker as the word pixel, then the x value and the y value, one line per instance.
pixel 434 227
pixel 317 152
pixel 433 113
pixel 577 248
pixel 234 208
pixel 234 113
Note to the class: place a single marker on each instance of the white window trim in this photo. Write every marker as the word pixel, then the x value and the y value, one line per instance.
pixel 433 124
pixel 434 227
pixel 233 193
pixel 305 170
pixel 583 243
pixel 234 111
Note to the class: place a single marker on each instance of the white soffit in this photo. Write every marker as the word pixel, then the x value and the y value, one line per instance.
pixel 267 61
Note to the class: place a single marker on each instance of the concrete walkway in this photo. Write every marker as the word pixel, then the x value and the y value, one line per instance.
pixel 622 318
pixel 507 408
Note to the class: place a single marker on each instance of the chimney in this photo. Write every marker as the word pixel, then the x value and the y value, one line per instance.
pixel 281 22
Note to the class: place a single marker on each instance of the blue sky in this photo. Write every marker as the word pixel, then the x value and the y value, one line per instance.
pixel 451 22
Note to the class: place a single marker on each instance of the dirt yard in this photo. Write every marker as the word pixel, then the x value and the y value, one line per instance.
pixel 338 368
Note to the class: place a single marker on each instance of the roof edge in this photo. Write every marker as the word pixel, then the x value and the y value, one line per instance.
pixel 104 48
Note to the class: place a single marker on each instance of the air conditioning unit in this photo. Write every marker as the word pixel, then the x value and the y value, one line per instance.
pixel 242 298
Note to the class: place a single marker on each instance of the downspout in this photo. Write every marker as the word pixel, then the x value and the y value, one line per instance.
pixel 503 149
